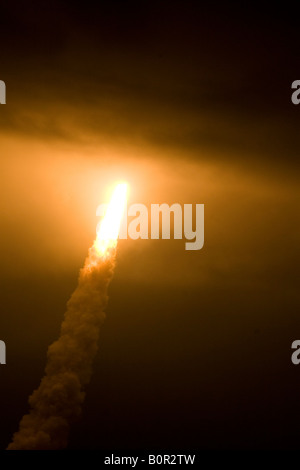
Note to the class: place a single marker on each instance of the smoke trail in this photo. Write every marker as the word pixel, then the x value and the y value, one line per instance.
pixel 57 402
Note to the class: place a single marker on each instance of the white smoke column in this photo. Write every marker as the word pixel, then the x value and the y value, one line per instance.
pixel 57 402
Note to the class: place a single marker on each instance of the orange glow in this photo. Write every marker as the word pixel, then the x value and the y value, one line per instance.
pixel 108 232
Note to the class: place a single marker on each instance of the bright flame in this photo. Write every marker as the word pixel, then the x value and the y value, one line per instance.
pixel 110 226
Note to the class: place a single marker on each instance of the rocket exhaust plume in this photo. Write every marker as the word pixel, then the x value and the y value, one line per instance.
pixel 57 402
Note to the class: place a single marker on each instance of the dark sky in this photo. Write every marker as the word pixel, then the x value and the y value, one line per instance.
pixel 172 73
pixel 191 103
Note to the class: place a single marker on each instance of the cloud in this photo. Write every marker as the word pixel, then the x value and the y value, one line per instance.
pixel 58 400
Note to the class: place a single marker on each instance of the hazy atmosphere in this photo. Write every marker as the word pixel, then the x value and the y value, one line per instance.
pixel 188 104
